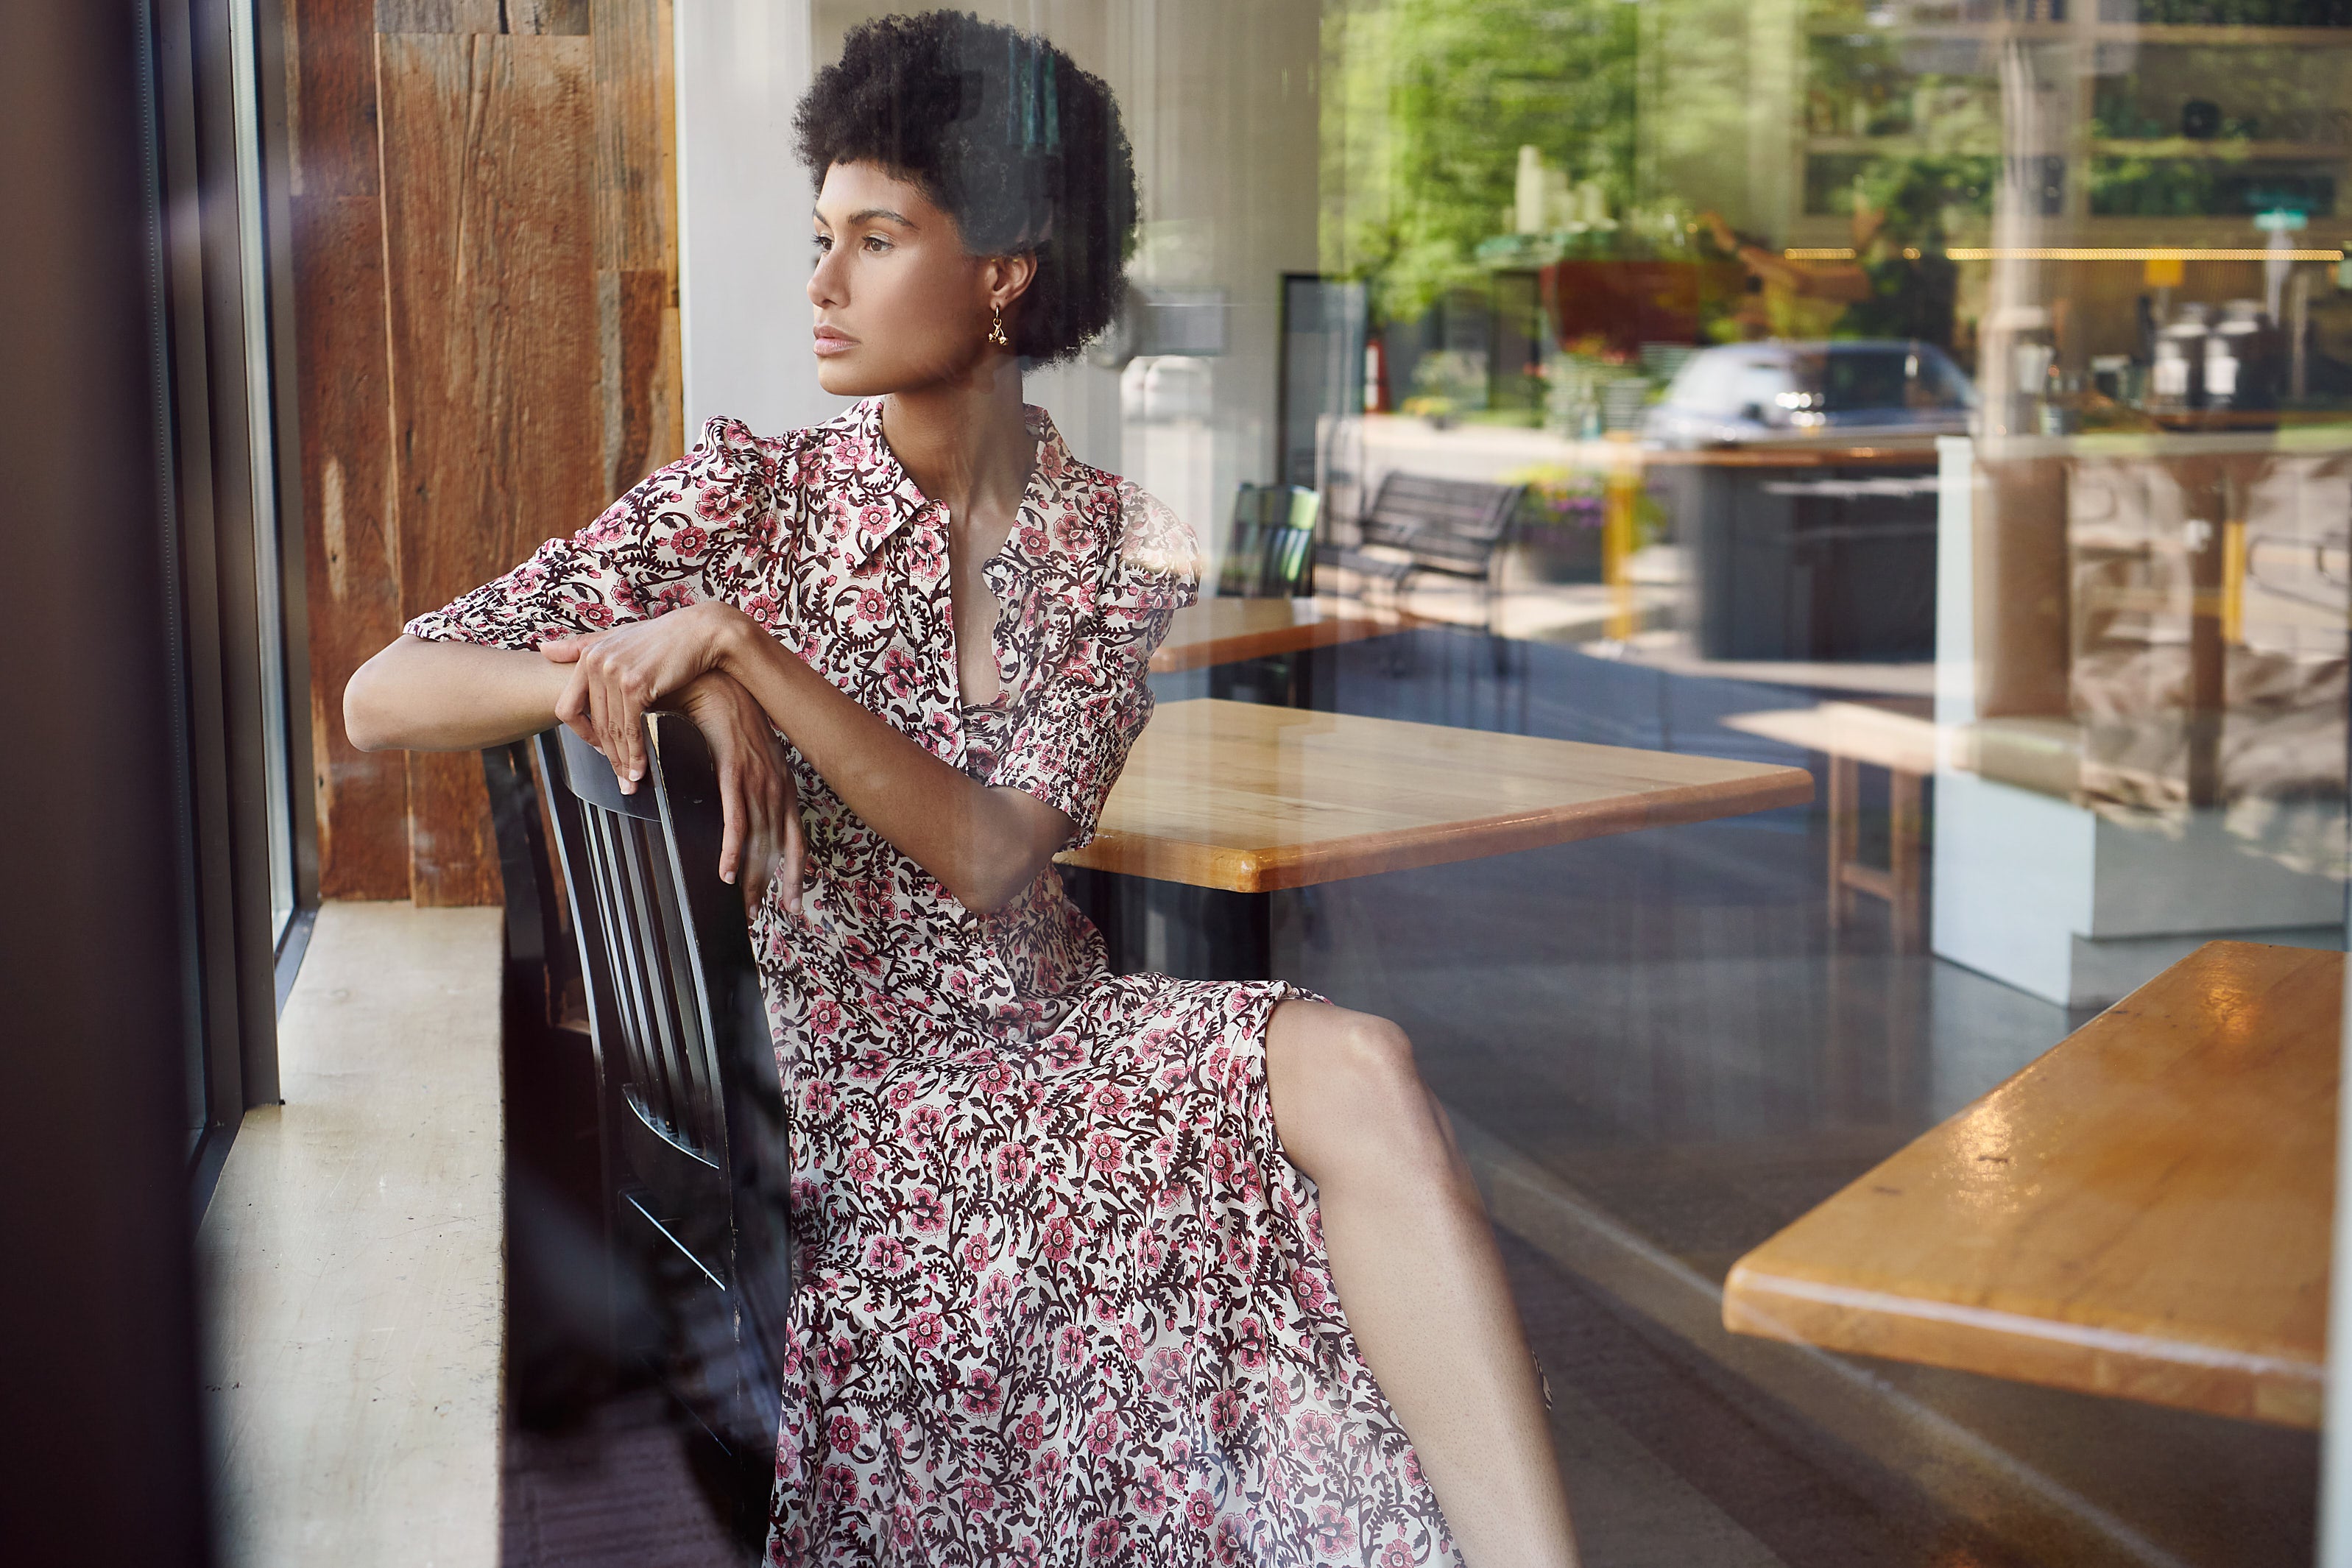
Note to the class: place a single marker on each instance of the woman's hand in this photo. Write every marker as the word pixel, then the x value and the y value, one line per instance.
pixel 761 807
pixel 618 675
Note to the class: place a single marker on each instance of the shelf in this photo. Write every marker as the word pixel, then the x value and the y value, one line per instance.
pixel 2218 149
pixel 1895 147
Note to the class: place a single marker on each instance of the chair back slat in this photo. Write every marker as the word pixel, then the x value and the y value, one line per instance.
pixel 656 1048
pixel 663 1056
pixel 638 1078
pixel 1270 553
pixel 670 956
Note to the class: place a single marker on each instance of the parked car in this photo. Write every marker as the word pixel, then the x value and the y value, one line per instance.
pixel 1779 392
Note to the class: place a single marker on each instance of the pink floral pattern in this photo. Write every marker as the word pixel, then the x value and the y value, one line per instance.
pixel 1063 1300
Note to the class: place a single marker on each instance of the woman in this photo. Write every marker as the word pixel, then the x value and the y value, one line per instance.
pixel 1073 1246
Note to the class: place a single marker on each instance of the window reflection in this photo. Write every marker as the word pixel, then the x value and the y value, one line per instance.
pixel 1942 408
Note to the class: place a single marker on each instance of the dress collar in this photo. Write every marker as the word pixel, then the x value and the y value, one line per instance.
pixel 865 529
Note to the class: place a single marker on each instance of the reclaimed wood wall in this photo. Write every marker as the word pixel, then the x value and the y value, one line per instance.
pixel 486 255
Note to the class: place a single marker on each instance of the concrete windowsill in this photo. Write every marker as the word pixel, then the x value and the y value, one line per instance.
pixel 353 1259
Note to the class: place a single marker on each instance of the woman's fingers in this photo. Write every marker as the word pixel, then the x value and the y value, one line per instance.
pixel 730 812
pixel 576 709
pixel 619 717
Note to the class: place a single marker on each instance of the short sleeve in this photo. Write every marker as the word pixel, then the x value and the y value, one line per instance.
pixel 685 534
pixel 1071 737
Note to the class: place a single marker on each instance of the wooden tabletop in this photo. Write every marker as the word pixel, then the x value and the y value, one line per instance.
pixel 1254 798
pixel 1220 631
pixel 1876 735
pixel 2143 1212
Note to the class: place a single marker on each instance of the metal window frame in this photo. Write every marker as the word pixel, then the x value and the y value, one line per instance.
pixel 224 399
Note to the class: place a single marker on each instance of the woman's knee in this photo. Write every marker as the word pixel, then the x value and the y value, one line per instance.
pixel 1346 1090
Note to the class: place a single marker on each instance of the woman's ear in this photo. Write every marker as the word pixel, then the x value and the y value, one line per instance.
pixel 1007 277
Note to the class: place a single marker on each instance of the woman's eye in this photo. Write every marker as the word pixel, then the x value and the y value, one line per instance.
pixel 876 245
pixel 822 244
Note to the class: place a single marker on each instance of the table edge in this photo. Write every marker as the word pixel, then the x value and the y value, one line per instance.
pixel 2282 1388
pixel 1280 867
pixel 1239 645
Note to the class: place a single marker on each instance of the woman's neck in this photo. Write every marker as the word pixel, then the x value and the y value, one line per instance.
pixel 965 442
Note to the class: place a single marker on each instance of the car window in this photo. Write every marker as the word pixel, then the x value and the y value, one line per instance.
pixel 1940 385
pixel 1866 379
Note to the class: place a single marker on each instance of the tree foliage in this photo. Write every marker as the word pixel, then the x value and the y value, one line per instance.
pixel 1433 100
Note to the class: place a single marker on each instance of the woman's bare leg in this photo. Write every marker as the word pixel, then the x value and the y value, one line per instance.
pixel 1417 1272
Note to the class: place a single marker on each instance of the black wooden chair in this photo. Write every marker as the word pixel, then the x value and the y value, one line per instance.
pixel 1271 554
pixel 696 1140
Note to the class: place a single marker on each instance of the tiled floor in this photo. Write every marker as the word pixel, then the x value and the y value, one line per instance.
pixel 1658 1059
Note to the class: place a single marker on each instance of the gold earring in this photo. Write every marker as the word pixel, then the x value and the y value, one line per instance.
pixel 996 330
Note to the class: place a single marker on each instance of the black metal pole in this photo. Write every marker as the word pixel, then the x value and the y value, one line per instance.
pixel 99 1414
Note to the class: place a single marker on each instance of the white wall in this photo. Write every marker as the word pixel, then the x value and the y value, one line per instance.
pixel 743 201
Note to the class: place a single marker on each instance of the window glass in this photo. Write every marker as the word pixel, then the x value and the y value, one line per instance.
pixel 1757 590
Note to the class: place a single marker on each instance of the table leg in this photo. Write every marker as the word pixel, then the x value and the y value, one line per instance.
pixel 1905 914
pixel 1172 928
pixel 1845 836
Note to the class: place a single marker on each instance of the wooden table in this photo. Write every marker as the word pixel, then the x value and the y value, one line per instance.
pixel 1241 800
pixel 1227 631
pixel 1851 734
pixel 2143 1212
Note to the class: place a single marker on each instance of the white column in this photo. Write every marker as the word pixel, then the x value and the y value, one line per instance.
pixel 744 203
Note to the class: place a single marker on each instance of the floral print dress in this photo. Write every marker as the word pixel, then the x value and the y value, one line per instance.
pixel 1061 1298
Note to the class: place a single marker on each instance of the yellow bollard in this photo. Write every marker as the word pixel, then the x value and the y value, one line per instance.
pixel 1621 495
pixel 2233 583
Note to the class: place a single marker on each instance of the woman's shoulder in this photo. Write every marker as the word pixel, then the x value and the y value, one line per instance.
pixel 1152 555
pixel 1152 540
pixel 729 443
pixel 1143 535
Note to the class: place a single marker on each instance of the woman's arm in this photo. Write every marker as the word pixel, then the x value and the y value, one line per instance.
pixel 420 696
pixel 982 845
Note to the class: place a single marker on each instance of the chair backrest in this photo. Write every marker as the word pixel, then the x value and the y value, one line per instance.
pixel 1271 554
pixel 698 1141
pixel 1451 525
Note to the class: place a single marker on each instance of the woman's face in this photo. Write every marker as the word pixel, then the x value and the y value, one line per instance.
pixel 899 303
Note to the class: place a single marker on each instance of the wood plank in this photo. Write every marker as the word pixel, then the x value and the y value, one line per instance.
pixel 349 556
pixel 351 559
pixel 636 241
pixel 566 18
pixel 489 218
pixel 2144 1211
pixel 1222 631
pixel 330 124
pixel 636 206
pixel 1252 798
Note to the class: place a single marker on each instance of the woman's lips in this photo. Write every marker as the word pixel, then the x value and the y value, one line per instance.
pixel 830 341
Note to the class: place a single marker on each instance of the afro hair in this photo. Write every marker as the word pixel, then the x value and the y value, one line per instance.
pixel 1003 131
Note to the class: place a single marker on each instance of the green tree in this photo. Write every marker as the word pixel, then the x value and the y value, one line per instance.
pixel 1427 103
